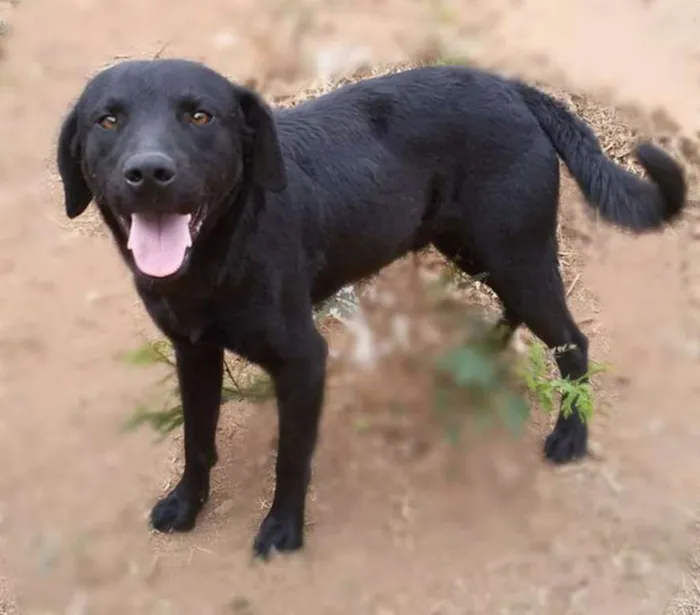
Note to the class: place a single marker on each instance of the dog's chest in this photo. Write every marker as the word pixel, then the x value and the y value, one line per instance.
pixel 194 321
pixel 211 322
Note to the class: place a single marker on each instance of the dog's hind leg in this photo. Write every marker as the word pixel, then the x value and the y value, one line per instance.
pixel 527 281
pixel 531 288
pixel 450 246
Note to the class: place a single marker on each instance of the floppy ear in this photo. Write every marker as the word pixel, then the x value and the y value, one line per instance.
pixel 266 157
pixel 77 195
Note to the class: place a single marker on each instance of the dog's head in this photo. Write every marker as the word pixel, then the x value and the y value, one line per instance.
pixel 160 145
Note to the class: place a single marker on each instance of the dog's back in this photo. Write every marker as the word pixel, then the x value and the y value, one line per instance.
pixel 428 112
pixel 397 155
pixel 474 145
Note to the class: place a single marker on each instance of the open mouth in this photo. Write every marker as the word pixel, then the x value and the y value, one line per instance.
pixel 160 242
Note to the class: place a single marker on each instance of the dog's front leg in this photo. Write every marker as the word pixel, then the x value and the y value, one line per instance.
pixel 299 383
pixel 200 374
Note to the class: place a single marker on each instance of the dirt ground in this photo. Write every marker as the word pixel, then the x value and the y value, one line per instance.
pixel 389 533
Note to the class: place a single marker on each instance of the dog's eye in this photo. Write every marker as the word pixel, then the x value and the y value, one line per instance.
pixel 199 118
pixel 108 122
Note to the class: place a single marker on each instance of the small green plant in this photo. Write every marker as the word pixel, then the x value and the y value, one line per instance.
pixel 477 380
pixel 475 376
pixel 257 388
pixel 162 421
pixel 150 353
pixel 451 60
pixel 545 390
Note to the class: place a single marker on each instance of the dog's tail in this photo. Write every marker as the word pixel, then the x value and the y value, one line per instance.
pixel 619 196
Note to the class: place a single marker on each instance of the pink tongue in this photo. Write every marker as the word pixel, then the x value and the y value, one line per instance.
pixel 159 242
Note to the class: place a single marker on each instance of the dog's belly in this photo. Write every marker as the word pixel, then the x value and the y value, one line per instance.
pixel 360 238
pixel 349 261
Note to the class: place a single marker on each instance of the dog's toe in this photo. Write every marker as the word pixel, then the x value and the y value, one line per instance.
pixel 566 443
pixel 175 513
pixel 280 532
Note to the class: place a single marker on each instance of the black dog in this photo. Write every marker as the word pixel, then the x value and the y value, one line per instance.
pixel 236 220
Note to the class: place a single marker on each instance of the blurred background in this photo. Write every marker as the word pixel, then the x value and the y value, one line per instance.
pixel 405 517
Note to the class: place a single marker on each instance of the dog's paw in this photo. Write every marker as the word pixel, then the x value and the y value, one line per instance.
pixel 282 532
pixel 176 512
pixel 568 442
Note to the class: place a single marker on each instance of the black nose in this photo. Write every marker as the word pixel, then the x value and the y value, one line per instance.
pixel 149 170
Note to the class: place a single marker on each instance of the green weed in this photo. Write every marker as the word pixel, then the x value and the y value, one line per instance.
pixel 478 381
pixel 167 416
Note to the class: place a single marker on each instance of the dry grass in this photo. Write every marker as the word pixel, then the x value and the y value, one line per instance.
pixel 5 29
pixel 687 601
pixel 7 605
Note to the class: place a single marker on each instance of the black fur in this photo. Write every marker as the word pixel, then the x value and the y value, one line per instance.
pixel 298 203
pixel 618 195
